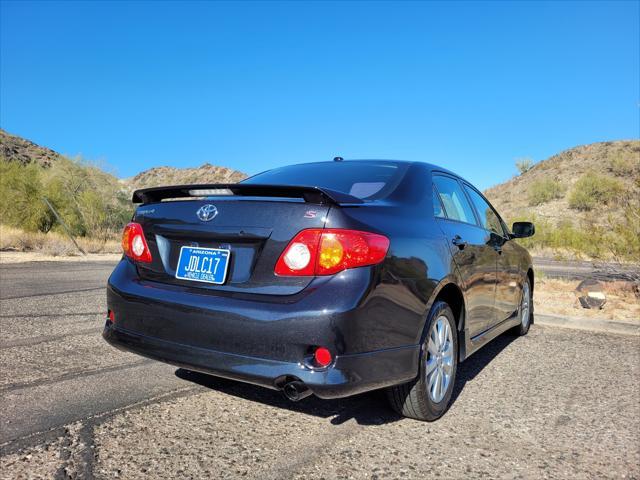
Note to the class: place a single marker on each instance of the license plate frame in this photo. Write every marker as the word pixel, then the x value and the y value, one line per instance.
pixel 202 271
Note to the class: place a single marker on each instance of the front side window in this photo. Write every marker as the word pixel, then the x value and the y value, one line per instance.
pixel 488 217
pixel 456 205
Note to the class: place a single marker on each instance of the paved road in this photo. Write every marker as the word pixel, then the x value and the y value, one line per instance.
pixel 574 270
pixel 555 404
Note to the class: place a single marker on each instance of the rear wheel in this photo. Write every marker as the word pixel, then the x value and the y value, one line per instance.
pixel 428 396
pixel 524 310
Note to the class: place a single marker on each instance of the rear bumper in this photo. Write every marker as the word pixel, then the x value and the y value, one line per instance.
pixel 265 341
pixel 349 375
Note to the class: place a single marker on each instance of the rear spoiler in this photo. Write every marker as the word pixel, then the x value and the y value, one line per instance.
pixel 308 194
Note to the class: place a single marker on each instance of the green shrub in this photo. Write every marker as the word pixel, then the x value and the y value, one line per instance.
pixel 545 190
pixel 20 197
pixel 524 164
pixel 624 166
pixel 617 239
pixel 89 201
pixel 593 189
pixel 624 233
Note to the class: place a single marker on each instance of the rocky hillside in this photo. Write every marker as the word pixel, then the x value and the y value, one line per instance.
pixel 25 152
pixel 586 183
pixel 17 149
pixel 176 176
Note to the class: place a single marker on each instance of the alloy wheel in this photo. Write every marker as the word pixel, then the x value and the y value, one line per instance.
pixel 525 306
pixel 440 353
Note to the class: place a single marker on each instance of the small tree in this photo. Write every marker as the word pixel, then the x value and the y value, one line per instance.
pixel 524 164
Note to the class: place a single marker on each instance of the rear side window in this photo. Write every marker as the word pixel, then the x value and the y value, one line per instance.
pixel 437 206
pixel 488 217
pixel 456 205
pixel 362 179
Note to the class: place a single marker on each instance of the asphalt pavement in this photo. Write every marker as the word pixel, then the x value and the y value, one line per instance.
pixel 557 403
pixel 581 270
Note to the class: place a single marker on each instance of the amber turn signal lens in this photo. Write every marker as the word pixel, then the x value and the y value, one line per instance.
pixel 331 251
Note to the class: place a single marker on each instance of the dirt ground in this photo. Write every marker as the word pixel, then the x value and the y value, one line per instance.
pixel 555 404
pixel 19 257
pixel 558 297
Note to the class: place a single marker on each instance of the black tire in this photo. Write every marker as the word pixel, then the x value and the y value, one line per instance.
pixel 523 327
pixel 412 399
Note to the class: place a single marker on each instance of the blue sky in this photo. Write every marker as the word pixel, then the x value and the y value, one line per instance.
pixel 470 86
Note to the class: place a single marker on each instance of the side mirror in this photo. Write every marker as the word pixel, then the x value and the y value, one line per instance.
pixel 523 230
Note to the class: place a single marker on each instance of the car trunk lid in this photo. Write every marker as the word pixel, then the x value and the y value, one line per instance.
pixel 254 229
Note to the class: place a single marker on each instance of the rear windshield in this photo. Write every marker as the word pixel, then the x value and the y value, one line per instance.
pixel 365 180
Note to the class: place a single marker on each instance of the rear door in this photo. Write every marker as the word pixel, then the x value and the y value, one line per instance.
pixel 508 269
pixel 472 251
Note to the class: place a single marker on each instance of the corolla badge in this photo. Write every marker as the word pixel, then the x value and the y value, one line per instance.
pixel 207 212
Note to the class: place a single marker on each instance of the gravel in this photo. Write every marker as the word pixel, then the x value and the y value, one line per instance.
pixel 557 403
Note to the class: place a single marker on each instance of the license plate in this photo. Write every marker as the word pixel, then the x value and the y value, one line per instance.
pixel 208 265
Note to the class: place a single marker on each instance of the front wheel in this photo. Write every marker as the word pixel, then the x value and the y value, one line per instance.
pixel 428 396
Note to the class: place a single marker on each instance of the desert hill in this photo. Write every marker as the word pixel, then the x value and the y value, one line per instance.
pixel 585 200
pixel 18 149
pixel 589 182
pixel 206 173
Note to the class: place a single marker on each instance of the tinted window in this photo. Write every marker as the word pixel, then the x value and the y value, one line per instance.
pixel 488 217
pixel 456 205
pixel 367 180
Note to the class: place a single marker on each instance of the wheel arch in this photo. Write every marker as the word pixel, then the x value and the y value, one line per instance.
pixel 450 292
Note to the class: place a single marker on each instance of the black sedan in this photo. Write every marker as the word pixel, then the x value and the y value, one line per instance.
pixel 329 278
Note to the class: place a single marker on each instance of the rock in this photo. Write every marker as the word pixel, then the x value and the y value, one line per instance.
pixel 590 294
pixel 593 300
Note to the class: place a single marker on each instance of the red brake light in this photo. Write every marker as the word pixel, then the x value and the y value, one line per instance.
pixel 317 251
pixel 134 244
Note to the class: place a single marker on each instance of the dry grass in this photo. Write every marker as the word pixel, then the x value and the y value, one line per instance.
pixel 558 297
pixel 52 243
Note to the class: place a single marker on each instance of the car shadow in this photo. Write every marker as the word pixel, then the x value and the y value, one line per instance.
pixel 369 408
pixel 366 409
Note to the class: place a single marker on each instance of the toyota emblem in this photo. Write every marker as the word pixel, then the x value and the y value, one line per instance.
pixel 207 212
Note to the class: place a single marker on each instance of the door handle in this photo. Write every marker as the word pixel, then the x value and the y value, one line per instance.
pixel 459 242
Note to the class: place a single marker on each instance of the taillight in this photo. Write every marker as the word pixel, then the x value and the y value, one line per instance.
pixel 134 244
pixel 317 251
